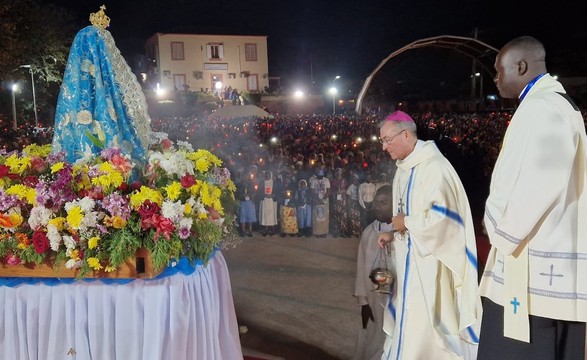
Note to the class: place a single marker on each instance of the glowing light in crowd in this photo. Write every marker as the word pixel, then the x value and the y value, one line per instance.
pixel 159 91
pixel 273 140
pixel 333 137
pixel 298 94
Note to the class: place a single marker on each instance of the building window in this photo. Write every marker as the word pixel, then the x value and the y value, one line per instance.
pixel 177 51
pixel 179 82
pixel 251 52
pixel 215 51
pixel 253 82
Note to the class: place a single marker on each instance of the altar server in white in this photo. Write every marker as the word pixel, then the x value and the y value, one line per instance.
pixel 435 311
pixel 534 286
pixel 371 337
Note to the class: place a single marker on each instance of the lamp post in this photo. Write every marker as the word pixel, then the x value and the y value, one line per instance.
pixel 478 75
pixel 34 96
pixel 14 88
pixel 333 92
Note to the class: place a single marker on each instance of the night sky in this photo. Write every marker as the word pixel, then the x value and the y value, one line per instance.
pixel 320 39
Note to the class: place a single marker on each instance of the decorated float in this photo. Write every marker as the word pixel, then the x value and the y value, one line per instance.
pixel 111 237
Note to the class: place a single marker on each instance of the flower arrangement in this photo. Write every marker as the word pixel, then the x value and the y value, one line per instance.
pixel 95 213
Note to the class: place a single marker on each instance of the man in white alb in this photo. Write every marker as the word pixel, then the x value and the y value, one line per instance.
pixel 534 287
pixel 435 311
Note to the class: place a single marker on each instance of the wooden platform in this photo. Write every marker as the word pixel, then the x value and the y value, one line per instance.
pixel 138 267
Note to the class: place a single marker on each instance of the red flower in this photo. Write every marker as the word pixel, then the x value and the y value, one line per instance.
pixel 164 226
pixel 5 171
pixel 40 241
pixel 38 164
pixel 136 185
pixel 96 193
pixel 188 181
pixel 166 144
pixel 148 209
pixel 123 187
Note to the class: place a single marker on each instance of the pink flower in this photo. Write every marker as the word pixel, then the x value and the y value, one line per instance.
pixel 13 260
pixel 164 226
pixel 38 164
pixel 121 163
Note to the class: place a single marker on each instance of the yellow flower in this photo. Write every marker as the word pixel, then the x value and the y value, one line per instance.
pixel 56 167
pixel 110 268
pixel 58 222
pixel 36 150
pixel 230 185
pixel 95 263
pixel 23 192
pixel 74 254
pixel 93 242
pixel 144 194
pixel 173 190
pixel 118 222
pixel 195 189
pixel 202 165
pixel 187 208
pixel 16 219
pixel 75 217
pixel 18 165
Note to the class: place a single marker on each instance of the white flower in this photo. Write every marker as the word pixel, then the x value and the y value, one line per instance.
pixel 39 217
pixel 172 210
pixel 89 221
pixel 186 145
pixel 73 264
pixel 84 117
pixel 186 223
pixel 54 237
pixel 69 244
pixel 86 204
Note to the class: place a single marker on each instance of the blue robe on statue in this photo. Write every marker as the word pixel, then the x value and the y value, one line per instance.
pixel 100 99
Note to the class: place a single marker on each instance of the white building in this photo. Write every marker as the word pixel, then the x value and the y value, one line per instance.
pixel 194 62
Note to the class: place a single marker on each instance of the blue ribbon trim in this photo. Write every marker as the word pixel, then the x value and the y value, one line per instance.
pixel 449 213
pixel 183 266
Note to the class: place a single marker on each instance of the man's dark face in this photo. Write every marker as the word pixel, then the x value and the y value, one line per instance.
pixel 382 207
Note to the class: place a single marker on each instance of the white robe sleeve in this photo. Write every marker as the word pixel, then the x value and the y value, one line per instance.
pixel 535 165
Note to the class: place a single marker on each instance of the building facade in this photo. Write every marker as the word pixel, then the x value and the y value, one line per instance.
pixel 207 62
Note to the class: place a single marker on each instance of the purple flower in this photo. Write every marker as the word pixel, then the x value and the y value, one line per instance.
pixel 184 233
pixel 7 201
pixel 116 205
pixel 107 154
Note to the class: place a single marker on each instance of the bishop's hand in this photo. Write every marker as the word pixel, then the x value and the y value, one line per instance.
pixel 399 223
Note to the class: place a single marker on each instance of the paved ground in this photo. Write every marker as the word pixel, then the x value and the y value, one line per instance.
pixel 295 296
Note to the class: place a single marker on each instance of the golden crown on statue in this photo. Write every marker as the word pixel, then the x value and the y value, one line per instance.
pixel 100 19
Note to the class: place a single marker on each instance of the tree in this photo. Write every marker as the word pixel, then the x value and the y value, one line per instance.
pixel 36 35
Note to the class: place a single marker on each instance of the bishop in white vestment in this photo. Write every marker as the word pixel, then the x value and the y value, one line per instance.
pixel 435 311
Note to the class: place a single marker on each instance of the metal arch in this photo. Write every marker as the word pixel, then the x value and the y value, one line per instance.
pixel 467 46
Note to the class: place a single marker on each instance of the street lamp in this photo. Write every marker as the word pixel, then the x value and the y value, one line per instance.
pixel 34 96
pixel 333 92
pixel 478 75
pixel 14 88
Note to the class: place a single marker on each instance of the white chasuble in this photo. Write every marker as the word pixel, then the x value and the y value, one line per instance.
pixel 536 214
pixel 436 308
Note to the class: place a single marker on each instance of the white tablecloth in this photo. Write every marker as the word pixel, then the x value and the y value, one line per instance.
pixel 178 317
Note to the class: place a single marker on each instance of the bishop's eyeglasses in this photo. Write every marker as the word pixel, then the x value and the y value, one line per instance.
pixel 387 140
